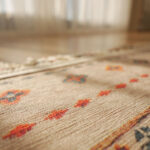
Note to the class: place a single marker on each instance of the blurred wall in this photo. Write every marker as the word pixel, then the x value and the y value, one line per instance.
pixel 145 17
pixel 59 16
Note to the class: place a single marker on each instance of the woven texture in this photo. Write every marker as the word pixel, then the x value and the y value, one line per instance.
pixel 96 105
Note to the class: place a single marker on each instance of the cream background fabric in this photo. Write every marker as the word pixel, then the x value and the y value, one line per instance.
pixel 80 128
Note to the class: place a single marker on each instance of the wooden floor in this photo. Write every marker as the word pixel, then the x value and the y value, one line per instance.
pixel 17 48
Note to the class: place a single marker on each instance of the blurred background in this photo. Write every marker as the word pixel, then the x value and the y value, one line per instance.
pixel 46 27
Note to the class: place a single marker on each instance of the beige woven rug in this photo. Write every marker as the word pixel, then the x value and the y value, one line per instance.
pixel 94 105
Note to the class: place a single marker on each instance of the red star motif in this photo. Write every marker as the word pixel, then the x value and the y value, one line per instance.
pixel 134 80
pixel 144 75
pixel 19 131
pixel 104 93
pixel 82 103
pixel 118 147
pixel 57 114
pixel 122 85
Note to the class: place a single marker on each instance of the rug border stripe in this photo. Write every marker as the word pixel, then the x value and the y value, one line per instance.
pixel 108 141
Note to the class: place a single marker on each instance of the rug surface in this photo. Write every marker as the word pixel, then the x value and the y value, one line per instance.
pixel 97 105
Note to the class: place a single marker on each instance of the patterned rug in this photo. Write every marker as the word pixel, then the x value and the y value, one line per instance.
pixel 100 104
pixel 32 65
